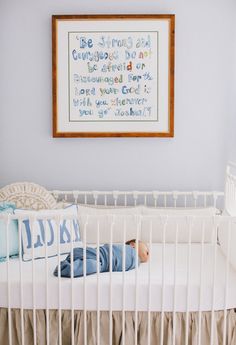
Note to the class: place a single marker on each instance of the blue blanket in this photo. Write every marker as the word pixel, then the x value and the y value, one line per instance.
pixel 104 260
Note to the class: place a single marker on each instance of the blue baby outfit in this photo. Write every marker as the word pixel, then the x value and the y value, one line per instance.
pixel 104 260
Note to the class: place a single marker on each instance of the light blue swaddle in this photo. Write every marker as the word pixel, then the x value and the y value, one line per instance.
pixel 104 260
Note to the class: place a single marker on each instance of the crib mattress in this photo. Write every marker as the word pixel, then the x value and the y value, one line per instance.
pixel 45 291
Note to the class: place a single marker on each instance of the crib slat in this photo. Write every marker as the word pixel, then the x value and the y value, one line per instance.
pixel 110 274
pixel 195 196
pixel 165 200
pixel 163 278
pixel 155 200
pixel 98 283
pixel 191 221
pixel 201 284
pixel 136 282
pixel 72 285
pixel 185 200
pixel 8 283
pixel 84 280
pixel 175 197
pixel 58 221
pixel 21 284
pixel 46 278
pixel 229 228
pixel 115 197
pixel 135 196
pixel 214 283
pixel 32 223
pixel 149 284
pixel 123 283
pixel 125 201
pixel 175 278
pixel 105 200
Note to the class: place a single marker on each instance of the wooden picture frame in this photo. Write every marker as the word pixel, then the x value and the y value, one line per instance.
pixel 113 75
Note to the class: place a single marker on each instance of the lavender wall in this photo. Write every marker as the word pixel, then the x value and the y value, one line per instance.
pixel 205 82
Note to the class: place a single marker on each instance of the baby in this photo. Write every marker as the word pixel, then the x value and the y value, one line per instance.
pixel 104 259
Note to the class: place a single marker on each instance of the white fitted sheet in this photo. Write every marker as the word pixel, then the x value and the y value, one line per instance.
pixel 178 289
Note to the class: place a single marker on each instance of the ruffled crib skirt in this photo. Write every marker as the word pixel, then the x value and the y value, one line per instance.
pixel 142 327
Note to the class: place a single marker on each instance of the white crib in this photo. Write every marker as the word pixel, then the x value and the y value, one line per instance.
pixel 185 294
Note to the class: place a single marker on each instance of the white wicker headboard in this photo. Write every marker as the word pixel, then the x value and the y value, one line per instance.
pixel 28 195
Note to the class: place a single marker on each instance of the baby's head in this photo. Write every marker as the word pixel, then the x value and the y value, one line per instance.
pixel 143 251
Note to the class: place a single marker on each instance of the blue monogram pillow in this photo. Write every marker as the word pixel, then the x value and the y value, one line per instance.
pixel 44 234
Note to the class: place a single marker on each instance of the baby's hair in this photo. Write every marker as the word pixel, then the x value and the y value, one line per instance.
pixel 130 241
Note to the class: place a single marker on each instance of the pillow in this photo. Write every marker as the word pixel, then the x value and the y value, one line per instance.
pixel 182 217
pixel 181 211
pixel 7 208
pixel 37 233
pixel 104 216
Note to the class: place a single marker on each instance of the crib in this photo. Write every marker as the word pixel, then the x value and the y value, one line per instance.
pixel 184 294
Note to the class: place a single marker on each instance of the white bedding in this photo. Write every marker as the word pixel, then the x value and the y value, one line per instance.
pixel 179 290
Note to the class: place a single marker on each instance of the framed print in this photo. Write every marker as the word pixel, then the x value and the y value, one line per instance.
pixel 113 75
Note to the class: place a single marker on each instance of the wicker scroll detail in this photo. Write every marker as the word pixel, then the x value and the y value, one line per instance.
pixel 28 195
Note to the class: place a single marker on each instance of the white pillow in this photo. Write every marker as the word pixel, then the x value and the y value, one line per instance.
pixel 47 231
pixel 181 211
pixel 182 218
pixel 105 216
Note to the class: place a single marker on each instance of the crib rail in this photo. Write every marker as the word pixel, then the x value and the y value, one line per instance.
pixel 224 222
pixel 148 198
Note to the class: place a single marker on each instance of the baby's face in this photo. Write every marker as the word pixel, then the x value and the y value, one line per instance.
pixel 143 251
